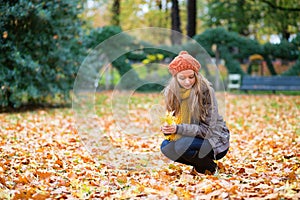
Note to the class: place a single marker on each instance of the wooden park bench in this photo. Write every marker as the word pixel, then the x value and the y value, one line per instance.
pixel 272 83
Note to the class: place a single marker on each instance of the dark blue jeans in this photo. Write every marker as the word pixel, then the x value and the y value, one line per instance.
pixel 191 151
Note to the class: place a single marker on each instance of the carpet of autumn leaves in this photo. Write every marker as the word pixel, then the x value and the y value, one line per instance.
pixel 42 154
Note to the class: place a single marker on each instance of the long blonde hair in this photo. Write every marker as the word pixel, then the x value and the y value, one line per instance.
pixel 199 97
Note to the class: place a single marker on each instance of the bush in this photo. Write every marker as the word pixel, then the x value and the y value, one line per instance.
pixel 41 50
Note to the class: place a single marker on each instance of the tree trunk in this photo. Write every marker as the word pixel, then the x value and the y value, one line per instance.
pixel 175 18
pixel 115 13
pixel 285 34
pixel 191 17
pixel 159 4
pixel 270 65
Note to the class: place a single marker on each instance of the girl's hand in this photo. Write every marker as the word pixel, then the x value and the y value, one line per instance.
pixel 168 129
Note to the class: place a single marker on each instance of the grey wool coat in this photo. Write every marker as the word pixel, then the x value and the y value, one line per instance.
pixel 213 129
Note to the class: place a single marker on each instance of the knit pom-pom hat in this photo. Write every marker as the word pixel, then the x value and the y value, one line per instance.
pixel 184 61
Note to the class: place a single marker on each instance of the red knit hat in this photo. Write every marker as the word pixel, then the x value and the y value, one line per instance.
pixel 183 61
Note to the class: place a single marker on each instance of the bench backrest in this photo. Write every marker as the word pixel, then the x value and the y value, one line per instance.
pixel 271 83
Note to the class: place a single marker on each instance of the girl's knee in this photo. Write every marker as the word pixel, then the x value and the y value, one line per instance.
pixel 165 143
pixel 182 145
pixel 163 147
pixel 180 148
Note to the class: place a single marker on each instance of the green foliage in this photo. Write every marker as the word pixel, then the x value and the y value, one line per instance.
pixel 256 18
pixel 226 43
pixel 136 56
pixel 98 35
pixel 122 65
pixel 133 15
pixel 119 47
pixel 234 15
pixel 233 47
pixel 41 50
pixel 294 70
pixel 281 17
pixel 285 50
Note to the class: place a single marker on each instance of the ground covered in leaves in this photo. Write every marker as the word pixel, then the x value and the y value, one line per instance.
pixel 42 154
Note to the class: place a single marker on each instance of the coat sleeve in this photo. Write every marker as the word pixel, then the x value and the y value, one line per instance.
pixel 203 129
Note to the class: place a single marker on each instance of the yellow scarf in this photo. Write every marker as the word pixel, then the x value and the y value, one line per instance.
pixel 184 115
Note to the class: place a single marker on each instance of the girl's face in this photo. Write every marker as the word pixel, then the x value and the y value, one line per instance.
pixel 186 78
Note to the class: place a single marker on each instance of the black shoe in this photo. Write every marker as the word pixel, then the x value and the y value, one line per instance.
pixel 211 166
pixel 208 167
pixel 196 172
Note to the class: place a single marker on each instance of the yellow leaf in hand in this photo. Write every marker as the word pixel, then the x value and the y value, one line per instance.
pixel 170 119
